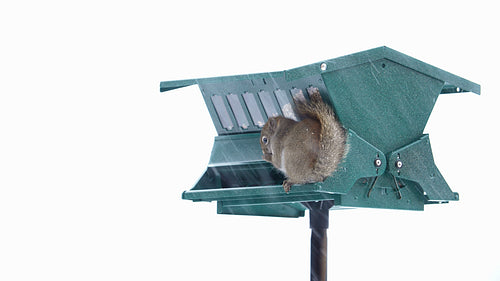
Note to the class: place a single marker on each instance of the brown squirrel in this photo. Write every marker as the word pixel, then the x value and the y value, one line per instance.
pixel 307 151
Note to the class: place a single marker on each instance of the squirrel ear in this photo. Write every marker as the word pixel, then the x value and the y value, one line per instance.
pixel 272 121
pixel 271 125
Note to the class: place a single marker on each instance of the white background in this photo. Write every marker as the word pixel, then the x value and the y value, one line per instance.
pixel 93 158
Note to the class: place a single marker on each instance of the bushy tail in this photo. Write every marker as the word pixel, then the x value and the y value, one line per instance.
pixel 332 144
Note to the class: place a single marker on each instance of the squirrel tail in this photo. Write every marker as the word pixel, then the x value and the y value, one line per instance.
pixel 333 139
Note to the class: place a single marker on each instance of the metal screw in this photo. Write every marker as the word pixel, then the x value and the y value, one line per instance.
pixel 323 66
pixel 378 163
pixel 399 164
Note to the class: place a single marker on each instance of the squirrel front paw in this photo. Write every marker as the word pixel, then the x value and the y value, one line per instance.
pixel 287 185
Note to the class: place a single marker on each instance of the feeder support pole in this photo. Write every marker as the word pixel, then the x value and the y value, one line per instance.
pixel 318 219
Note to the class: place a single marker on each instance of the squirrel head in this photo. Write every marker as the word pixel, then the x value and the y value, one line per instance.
pixel 266 137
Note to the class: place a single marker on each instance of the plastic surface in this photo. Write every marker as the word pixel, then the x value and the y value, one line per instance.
pixel 384 98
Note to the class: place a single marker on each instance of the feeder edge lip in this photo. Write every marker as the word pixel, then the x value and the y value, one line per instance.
pixel 172 85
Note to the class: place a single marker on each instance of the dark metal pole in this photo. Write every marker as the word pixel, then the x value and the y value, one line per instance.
pixel 319 216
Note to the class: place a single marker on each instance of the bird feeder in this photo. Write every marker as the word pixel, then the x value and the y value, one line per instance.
pixel 382 97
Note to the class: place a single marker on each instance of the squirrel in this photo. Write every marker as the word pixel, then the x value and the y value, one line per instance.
pixel 307 151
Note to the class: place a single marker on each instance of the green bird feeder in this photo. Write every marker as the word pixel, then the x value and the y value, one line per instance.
pixel 382 97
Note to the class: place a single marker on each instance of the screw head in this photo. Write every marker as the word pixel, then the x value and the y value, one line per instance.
pixel 323 66
pixel 399 164
pixel 377 163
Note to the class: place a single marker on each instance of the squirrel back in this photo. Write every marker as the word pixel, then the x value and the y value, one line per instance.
pixel 307 151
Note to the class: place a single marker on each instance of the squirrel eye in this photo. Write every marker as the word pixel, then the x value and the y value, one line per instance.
pixel 264 140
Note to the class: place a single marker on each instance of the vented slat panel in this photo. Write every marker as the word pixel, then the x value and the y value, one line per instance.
pixel 235 104
pixel 253 108
pixel 297 94
pixel 222 112
pixel 267 101
pixel 285 104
